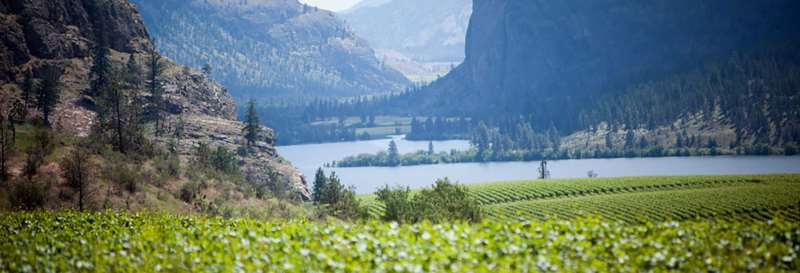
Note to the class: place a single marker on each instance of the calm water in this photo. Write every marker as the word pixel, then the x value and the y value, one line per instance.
pixel 366 180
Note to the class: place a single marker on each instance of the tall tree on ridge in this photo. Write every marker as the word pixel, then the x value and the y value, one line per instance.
pixel 156 68
pixel 252 124
pixel 49 93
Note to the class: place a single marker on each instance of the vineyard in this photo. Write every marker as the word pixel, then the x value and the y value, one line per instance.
pixel 638 199
pixel 118 242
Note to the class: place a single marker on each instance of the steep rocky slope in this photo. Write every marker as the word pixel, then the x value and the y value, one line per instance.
pixel 523 55
pixel 263 48
pixel 61 33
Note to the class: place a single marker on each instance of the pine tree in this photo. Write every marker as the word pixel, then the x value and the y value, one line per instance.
pixel 252 125
pixel 6 147
pixel 430 148
pixel 49 93
pixel 100 71
pixel 630 139
pixel 393 154
pixel 133 72
pixel 320 182
pixel 29 89
pixel 113 113
pixel 156 67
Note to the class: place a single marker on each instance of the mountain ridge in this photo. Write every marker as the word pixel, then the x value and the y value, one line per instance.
pixel 269 48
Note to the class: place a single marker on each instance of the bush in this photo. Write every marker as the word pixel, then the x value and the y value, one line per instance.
pixel 189 192
pixel 445 201
pixel 27 195
pixel 339 201
pixel 397 202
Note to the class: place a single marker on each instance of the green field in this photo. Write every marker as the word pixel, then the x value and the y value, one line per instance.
pixel 118 242
pixel 636 199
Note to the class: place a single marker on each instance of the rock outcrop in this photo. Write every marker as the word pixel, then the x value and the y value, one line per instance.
pixel 61 33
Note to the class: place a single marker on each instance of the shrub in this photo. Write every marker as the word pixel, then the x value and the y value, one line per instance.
pixel 27 195
pixel 397 202
pixel 445 201
pixel 189 191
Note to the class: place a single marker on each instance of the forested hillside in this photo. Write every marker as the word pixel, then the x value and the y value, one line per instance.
pixel 269 48
pixel 591 76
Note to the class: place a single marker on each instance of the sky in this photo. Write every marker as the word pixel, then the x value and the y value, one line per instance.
pixel 334 5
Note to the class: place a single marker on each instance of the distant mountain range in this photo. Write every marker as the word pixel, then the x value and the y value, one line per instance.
pixel 269 48
pixel 417 37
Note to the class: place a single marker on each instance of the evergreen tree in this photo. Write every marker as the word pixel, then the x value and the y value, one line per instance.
pixel 100 71
pixel 133 72
pixel 430 148
pixel 630 139
pixel 29 89
pixel 207 70
pixel 156 68
pixel 113 112
pixel 393 154
pixel 49 93
pixel 6 147
pixel 252 125
pixel 320 182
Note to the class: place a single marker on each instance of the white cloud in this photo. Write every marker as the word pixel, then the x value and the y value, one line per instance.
pixel 334 5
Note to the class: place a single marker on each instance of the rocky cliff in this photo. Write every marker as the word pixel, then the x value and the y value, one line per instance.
pixel 39 33
pixel 523 55
pixel 267 48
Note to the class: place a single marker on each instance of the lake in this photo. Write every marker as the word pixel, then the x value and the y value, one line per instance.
pixel 309 157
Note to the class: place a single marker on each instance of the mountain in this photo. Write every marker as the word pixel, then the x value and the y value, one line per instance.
pixel 269 48
pixel 524 56
pixel 47 35
pixel 411 34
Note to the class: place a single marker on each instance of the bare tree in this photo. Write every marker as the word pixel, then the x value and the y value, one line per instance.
pixel 544 173
pixel 77 169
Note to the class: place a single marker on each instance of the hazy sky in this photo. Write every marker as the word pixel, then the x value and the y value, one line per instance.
pixel 334 5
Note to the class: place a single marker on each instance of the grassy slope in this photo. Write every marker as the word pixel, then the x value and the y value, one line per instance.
pixel 634 199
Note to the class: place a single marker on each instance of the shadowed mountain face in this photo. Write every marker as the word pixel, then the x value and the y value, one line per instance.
pixel 523 55
pixel 269 48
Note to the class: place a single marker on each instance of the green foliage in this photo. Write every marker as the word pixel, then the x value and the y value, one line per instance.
pixel 220 159
pixel 338 201
pixel 393 155
pixel 635 199
pixel 119 242
pixel 7 146
pixel 445 201
pixel 320 183
pixel 252 125
pixel 49 92
pixel 27 194
pixel 189 191
pixel 397 204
